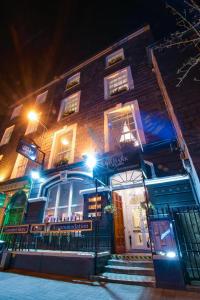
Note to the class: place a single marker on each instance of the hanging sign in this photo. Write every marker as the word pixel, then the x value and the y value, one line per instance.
pixel 30 150
pixel 27 149
pixel 71 226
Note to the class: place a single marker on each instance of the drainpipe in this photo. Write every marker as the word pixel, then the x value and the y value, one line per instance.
pixel 186 158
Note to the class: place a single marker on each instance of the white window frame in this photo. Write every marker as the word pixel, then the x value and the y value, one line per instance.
pixel 31 124
pixel 109 77
pixel 65 129
pixel 116 54
pixel 16 111
pixel 137 119
pixel 63 102
pixel 4 139
pixel 15 171
pixel 41 98
pixel 75 77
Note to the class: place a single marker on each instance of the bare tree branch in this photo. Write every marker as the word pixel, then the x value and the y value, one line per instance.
pixel 188 36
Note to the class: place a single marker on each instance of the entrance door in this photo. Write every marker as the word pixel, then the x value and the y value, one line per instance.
pixel 119 237
pixel 136 229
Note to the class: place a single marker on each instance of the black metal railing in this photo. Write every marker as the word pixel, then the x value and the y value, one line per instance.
pixel 186 227
pixel 97 240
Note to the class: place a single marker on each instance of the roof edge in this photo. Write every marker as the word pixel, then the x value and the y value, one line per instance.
pixel 84 63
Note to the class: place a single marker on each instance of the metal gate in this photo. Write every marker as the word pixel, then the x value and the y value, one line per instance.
pixel 187 223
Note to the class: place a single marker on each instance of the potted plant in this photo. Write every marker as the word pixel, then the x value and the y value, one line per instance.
pixel 119 90
pixel 110 209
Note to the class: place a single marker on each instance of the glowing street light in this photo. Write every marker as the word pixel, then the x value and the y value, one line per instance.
pixel 35 174
pixel 33 116
pixel 90 160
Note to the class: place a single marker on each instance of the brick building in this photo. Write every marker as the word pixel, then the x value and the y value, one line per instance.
pixel 111 107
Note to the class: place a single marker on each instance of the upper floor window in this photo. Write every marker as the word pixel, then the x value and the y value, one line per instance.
pixel 63 146
pixel 69 105
pixel 41 98
pixel 16 111
pixel 118 82
pixel 32 127
pixel 72 81
pixel 115 57
pixel 123 127
pixel 7 135
pixel 19 167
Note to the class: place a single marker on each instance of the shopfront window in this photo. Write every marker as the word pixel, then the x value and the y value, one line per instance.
pixel 65 201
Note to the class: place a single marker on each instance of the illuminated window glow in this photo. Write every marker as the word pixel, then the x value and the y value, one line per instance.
pixel 7 135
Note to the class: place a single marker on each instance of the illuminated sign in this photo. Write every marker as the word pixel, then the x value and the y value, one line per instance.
pixel 38 228
pixel 20 229
pixel 27 149
pixel 71 226
pixel 30 150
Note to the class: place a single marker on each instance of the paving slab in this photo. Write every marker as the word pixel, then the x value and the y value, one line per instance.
pixel 23 287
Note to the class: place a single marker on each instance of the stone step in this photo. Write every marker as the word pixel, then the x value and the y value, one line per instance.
pixel 132 257
pixel 130 263
pixel 141 280
pixel 129 270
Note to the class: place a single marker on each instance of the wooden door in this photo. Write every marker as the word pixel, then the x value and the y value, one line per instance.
pixel 119 237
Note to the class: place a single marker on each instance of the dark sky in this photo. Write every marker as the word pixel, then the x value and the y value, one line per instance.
pixel 42 39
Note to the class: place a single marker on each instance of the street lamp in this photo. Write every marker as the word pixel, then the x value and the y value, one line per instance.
pixel 33 116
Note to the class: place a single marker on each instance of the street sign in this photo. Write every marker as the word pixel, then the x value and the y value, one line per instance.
pixel 30 150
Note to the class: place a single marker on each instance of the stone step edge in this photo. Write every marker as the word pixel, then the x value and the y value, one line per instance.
pixel 129 282
pixel 126 261
pixel 129 268
pixel 132 257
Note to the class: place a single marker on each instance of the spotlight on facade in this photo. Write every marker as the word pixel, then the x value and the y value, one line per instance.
pixel 171 254
pixel 33 116
pixel 35 175
pixel 90 160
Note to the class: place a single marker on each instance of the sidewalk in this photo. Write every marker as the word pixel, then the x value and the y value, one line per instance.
pixel 20 287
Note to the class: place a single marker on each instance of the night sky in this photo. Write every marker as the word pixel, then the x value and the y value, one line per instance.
pixel 42 39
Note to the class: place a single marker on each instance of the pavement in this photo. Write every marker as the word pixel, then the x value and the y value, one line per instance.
pixel 22 287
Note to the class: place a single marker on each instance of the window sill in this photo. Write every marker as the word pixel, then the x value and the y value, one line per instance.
pixel 65 117
pixel 119 94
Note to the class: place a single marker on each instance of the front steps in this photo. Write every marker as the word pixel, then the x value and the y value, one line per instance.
pixel 129 269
